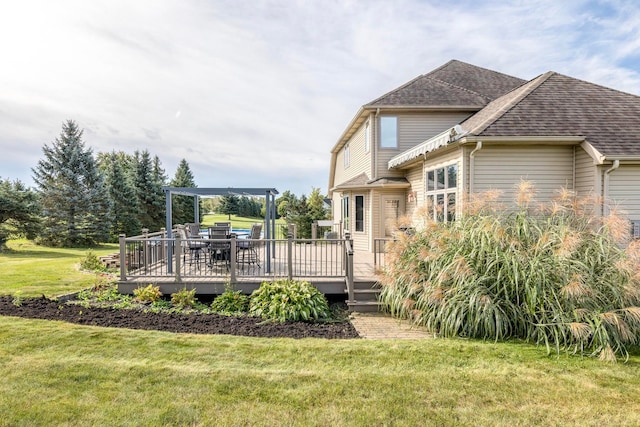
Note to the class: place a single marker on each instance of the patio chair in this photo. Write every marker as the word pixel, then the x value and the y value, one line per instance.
pixel 223 224
pixel 194 230
pixel 195 247
pixel 219 249
pixel 218 230
pixel 247 248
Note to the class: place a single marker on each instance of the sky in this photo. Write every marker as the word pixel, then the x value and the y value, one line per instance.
pixel 256 93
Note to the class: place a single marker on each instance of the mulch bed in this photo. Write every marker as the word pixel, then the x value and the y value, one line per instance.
pixel 44 308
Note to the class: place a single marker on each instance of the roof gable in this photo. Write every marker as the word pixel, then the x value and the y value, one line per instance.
pixel 557 105
pixel 453 84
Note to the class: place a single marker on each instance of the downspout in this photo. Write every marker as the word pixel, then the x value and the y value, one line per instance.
pixel 573 175
pixel 374 142
pixel 472 165
pixel 616 165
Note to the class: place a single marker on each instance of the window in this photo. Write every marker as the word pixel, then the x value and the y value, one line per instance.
pixel 345 212
pixel 388 132
pixel 367 137
pixel 441 185
pixel 347 156
pixel 359 213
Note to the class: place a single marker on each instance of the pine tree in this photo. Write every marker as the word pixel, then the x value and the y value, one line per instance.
pixel 316 204
pixel 19 211
pixel 75 207
pixel 149 179
pixel 229 205
pixel 182 206
pixel 122 193
pixel 300 214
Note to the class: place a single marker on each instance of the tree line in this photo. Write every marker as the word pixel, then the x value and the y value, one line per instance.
pixel 82 200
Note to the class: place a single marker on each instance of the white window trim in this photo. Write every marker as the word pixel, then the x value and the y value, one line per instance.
pixel 444 191
pixel 347 156
pixel 397 133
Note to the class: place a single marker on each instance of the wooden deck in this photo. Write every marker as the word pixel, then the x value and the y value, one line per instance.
pixel 323 264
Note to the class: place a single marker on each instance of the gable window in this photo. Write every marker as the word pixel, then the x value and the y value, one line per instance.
pixel 345 212
pixel 441 185
pixel 388 132
pixel 359 213
pixel 367 137
pixel 347 156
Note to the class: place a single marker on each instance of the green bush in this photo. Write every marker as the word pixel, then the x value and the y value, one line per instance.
pixel 184 298
pixel 91 262
pixel 554 275
pixel 231 302
pixel 288 300
pixel 149 293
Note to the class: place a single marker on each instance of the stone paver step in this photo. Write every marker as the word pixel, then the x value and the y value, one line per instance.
pixel 382 326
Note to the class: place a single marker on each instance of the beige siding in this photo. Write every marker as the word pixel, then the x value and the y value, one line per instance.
pixel 503 167
pixel 415 176
pixel 414 129
pixel 336 208
pixel 585 173
pixel 624 190
pixel 360 161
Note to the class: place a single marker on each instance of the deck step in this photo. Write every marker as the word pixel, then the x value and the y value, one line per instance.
pixel 364 306
pixel 365 294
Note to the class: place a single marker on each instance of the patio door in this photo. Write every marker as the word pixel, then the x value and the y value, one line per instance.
pixel 392 209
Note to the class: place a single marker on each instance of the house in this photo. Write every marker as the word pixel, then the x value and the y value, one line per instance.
pixel 462 129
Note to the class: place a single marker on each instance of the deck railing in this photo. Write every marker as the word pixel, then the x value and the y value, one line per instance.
pixel 156 255
pixel 379 250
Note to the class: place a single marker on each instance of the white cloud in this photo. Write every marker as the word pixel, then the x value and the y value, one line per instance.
pixel 256 93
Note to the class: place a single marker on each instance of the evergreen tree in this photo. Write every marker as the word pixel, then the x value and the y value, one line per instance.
pixel 316 204
pixel 122 193
pixel 71 189
pixel 149 179
pixel 19 211
pixel 182 206
pixel 300 214
pixel 229 205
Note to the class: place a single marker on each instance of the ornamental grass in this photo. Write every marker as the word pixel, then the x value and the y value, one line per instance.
pixel 556 275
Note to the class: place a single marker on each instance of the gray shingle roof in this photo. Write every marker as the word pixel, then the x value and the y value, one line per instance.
pixel 557 105
pixel 453 84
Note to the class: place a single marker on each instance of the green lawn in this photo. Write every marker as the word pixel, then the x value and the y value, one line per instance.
pixel 236 221
pixel 62 374
pixel 36 270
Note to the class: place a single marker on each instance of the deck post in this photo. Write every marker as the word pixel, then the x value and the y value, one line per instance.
pixel 178 251
pixel 349 268
pixel 232 261
pixel 123 253
pixel 289 256
pixel 161 249
pixel 145 235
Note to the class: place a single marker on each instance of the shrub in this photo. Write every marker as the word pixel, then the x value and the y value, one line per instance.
pixel 149 293
pixel 184 298
pixel 230 302
pixel 91 262
pixel 18 299
pixel 555 275
pixel 288 300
